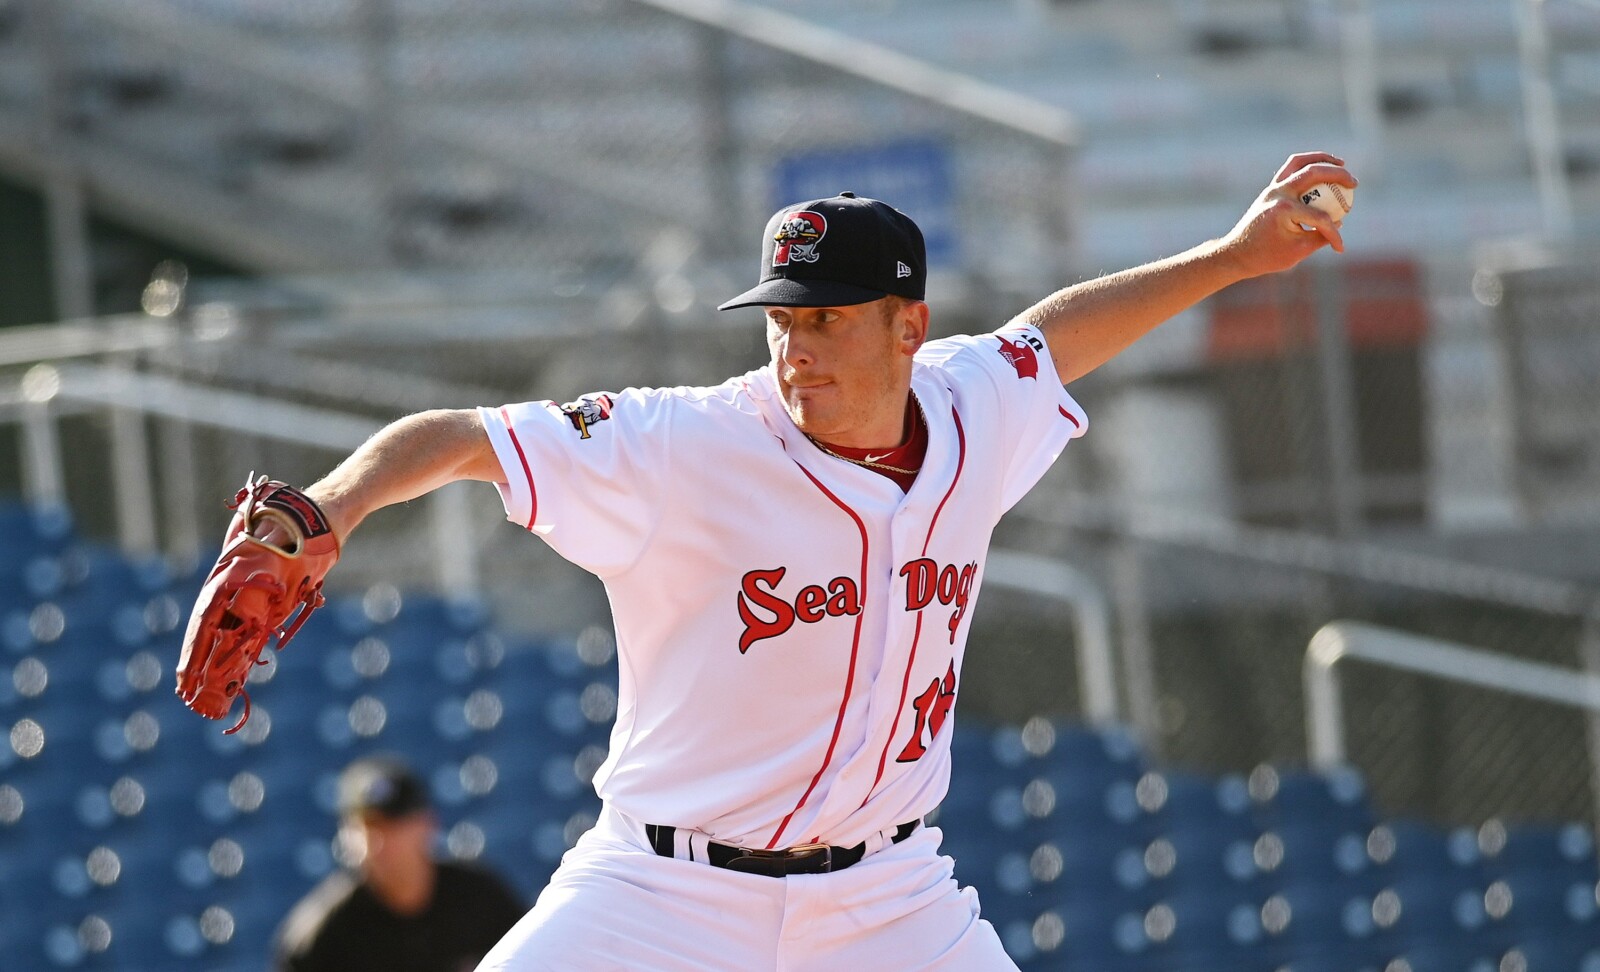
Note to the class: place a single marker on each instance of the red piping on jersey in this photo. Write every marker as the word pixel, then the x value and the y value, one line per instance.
pixel 916 634
pixel 850 676
pixel 533 494
pixel 1068 416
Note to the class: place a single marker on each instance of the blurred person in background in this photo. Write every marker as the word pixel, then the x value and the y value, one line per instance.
pixel 398 909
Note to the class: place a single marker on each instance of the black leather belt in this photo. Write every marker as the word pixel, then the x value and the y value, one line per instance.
pixel 804 859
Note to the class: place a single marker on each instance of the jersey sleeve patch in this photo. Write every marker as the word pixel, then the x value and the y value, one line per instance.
pixel 1021 353
pixel 586 476
pixel 586 412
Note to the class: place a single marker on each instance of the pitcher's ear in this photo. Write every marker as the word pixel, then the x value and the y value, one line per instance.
pixel 912 321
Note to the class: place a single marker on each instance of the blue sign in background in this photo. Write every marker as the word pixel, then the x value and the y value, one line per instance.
pixel 912 175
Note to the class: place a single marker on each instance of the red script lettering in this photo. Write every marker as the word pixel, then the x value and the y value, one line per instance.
pixel 812 603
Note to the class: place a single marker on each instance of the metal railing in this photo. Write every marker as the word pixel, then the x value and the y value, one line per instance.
pixel 1436 659
pixel 841 52
pixel 1091 618
pixel 49 389
pixel 390 107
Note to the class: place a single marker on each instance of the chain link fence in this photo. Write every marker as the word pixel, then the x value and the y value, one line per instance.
pixel 1228 543
pixel 595 148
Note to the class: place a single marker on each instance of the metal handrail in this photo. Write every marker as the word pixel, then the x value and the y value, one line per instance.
pixel 1302 550
pixel 1433 657
pixel 1091 618
pixel 841 52
pixel 96 336
pixel 47 387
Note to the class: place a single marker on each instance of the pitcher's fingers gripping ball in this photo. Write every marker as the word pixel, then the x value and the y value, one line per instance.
pixel 257 590
pixel 1331 198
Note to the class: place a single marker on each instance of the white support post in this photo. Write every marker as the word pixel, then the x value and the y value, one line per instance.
pixel 42 447
pixel 1324 701
pixel 1543 119
pixel 135 493
pixel 41 440
pixel 1091 616
pixel 180 508
pixel 1358 39
pixel 1138 655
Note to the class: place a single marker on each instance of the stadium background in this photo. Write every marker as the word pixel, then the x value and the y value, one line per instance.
pixel 239 235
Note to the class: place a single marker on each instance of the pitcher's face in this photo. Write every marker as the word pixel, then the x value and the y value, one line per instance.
pixel 844 372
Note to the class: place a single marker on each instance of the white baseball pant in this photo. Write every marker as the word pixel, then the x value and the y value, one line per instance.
pixel 614 905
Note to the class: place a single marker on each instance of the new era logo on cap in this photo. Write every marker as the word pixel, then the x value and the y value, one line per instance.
pixel 836 252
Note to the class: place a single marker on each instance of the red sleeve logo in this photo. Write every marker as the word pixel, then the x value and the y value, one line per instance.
pixel 1019 355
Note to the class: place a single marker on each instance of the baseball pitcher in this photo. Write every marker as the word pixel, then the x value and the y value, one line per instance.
pixel 793 558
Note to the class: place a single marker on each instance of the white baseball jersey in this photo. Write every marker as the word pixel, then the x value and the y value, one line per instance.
pixel 790 626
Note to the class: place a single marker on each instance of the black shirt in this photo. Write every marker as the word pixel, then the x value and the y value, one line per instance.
pixel 341 926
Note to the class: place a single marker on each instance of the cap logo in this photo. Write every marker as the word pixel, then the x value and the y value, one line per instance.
pixel 901 271
pixel 797 238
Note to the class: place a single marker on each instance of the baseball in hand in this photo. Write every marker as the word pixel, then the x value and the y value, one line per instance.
pixel 1331 198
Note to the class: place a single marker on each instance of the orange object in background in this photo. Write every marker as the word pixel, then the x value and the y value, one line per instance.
pixel 1264 318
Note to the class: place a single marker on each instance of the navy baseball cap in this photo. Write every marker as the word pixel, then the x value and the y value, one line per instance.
pixel 835 252
pixel 381 785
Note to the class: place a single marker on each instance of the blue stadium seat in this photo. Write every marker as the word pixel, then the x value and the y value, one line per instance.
pixel 426 622
pixel 59 943
pixel 1178 799
pixel 469 660
pixel 1404 847
pixel 1322 959
pixel 154 805
pixel 1433 907
pixel 1567 849
pixel 1539 904
pixel 1554 954
pixel 1097 864
pixel 976 850
pixel 1206 928
pixel 1205 833
pixel 1083 933
pixel 1067 751
pixel 469 720
pixel 1026 878
pixel 96 573
pixel 1315 849
pixel 1285 794
pixel 542 667
pixel 28 530
pixel 27 577
pixel 1332 915
pixel 1444 956
pixel 1094 807
pixel 36 824
pixel 1196 856
pixel 128 678
pixel 66 729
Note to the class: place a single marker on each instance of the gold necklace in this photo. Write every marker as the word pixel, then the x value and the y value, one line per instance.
pixel 865 462
pixel 868 463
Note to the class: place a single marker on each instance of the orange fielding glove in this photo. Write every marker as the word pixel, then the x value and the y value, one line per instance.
pixel 257 589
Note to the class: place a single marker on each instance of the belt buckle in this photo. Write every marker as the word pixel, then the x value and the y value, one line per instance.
pixel 776 863
pixel 801 852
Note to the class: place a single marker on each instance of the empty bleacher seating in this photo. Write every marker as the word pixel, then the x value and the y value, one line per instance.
pixel 134 836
